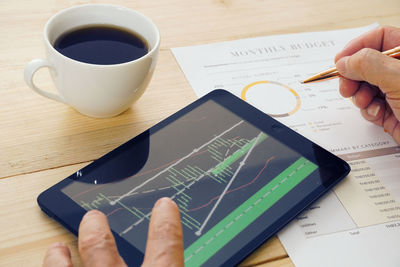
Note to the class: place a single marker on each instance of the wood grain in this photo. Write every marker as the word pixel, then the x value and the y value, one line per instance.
pixel 284 262
pixel 56 135
pixel 42 141
pixel 27 232
pixel 53 131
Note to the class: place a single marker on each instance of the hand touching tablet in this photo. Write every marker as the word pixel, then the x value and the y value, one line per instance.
pixel 97 245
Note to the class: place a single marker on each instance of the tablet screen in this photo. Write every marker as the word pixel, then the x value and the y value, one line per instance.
pixel 227 177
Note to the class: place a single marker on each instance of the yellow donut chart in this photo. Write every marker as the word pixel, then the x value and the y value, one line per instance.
pixel 291 112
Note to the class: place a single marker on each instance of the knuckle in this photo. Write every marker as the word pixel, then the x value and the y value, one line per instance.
pixel 356 59
pixel 99 240
pixel 362 62
pixel 366 52
pixel 166 230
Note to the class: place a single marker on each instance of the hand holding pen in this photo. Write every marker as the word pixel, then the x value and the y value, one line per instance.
pixel 372 78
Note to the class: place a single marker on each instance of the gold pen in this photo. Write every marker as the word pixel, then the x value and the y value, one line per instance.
pixel 330 73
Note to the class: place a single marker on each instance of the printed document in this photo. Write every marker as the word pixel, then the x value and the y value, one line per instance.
pixel 358 223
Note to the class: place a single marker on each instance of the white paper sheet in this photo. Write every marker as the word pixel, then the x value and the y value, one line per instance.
pixel 358 224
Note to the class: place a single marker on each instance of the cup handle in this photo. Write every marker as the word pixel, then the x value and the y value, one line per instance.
pixel 30 69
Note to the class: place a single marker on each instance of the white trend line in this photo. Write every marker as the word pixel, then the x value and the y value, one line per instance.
pixel 113 202
pixel 189 185
pixel 172 197
pixel 241 164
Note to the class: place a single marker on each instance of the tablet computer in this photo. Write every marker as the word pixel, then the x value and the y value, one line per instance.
pixel 237 175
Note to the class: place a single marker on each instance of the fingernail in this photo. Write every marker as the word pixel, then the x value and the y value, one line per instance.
pixel 373 110
pixel 341 65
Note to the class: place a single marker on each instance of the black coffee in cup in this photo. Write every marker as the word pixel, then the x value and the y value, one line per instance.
pixel 101 44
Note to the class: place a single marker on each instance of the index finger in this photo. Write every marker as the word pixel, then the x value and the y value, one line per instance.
pixel 165 239
pixel 381 39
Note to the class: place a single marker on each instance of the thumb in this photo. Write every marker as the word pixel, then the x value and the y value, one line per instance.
pixel 377 69
pixel 96 243
pixel 57 255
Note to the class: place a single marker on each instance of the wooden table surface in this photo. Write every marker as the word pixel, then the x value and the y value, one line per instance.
pixel 42 142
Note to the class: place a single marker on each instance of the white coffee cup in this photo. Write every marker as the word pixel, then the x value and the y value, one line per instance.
pixel 96 90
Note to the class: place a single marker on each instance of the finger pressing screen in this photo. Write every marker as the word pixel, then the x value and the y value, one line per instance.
pixel 57 255
pixel 165 239
pixel 96 243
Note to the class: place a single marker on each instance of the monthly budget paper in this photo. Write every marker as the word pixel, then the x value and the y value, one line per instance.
pixel 362 214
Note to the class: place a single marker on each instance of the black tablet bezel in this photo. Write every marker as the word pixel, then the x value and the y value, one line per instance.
pixel 64 210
